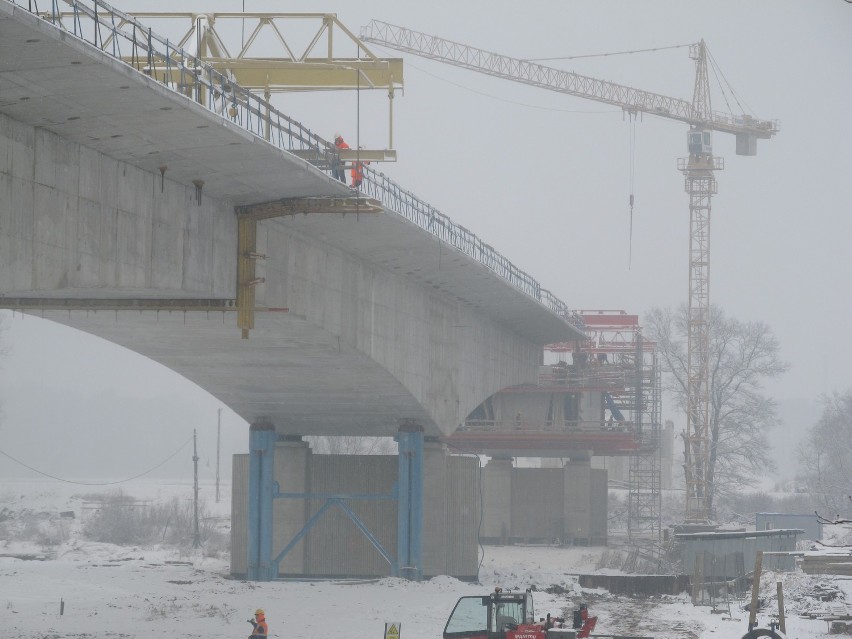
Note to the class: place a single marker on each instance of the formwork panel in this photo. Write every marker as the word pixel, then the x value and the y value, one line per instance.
pixel 292 460
pixel 463 517
pixel 239 514
pixel 335 547
pixel 497 501
pixel 436 486
pixel 537 497
pixel 599 496
pixel 577 500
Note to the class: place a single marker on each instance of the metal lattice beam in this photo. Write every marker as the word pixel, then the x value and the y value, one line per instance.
pixel 526 72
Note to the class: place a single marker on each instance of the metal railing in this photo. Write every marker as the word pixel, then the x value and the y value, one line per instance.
pixel 123 37
pixel 562 426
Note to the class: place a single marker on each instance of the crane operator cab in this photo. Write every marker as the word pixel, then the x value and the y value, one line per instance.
pixel 699 142
pixel 500 615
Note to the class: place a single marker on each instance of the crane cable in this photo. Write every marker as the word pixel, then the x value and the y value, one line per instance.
pixel 717 71
pixel 495 97
pixel 632 174
pixel 603 55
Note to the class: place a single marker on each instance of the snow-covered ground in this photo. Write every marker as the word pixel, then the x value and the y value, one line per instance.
pixel 114 591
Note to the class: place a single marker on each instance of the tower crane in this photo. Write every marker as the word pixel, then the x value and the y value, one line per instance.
pixel 700 183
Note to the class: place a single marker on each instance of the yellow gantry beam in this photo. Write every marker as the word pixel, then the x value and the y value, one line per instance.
pixel 276 75
pixel 280 65
pixel 306 205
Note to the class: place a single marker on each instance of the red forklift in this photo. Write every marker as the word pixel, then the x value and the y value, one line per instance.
pixel 511 615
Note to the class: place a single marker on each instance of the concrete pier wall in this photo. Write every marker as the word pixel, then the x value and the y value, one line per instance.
pixel 541 505
pixel 334 547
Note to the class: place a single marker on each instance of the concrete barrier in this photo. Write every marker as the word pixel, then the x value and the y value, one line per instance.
pixel 637 585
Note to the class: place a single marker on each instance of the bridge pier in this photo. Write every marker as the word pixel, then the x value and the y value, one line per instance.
pixel 262 565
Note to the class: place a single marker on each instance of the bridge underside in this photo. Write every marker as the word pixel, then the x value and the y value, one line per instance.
pixel 299 377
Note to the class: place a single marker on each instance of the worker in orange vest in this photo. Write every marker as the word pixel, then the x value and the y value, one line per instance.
pixel 358 173
pixel 261 630
pixel 583 623
pixel 337 171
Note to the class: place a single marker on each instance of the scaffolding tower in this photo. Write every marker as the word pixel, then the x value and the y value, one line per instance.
pixel 616 337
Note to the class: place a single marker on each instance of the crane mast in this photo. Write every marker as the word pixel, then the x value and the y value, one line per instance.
pixel 700 184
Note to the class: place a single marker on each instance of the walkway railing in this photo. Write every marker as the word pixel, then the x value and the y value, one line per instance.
pixel 123 37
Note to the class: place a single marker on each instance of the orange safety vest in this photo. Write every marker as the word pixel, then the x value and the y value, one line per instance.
pixel 358 173
pixel 260 628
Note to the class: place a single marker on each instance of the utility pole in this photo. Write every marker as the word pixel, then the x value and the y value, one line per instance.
pixel 196 538
pixel 218 441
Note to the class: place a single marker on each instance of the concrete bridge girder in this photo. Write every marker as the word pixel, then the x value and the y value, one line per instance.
pixel 365 344
pixel 379 310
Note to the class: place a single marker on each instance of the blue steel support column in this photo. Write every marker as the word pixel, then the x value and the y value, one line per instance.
pixel 410 514
pixel 261 461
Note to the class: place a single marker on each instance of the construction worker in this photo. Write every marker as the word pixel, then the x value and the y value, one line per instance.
pixel 261 630
pixel 583 623
pixel 337 171
pixel 552 622
pixel 358 173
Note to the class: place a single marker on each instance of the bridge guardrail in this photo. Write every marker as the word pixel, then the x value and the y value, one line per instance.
pixel 112 31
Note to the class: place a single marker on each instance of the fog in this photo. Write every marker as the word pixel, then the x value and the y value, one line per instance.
pixel 545 179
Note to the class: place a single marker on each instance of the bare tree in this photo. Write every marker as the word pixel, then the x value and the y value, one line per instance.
pixel 826 458
pixel 742 356
pixel 352 445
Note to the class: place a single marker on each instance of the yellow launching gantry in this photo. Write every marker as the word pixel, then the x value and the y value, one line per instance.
pixel 291 67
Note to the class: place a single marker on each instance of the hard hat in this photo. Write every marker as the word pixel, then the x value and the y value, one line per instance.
pixel 259 611
pixel 337 135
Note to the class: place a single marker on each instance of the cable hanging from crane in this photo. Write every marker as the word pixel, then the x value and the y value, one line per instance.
pixel 515 102
pixel 632 173
pixel 603 55
pixel 717 71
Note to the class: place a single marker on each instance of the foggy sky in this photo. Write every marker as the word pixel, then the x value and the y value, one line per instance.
pixel 545 179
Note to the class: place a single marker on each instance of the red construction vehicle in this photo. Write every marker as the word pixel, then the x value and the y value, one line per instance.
pixel 510 615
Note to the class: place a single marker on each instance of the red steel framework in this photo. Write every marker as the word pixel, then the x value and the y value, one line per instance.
pixel 614 360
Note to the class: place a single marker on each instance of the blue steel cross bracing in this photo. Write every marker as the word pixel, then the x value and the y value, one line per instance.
pixel 340 501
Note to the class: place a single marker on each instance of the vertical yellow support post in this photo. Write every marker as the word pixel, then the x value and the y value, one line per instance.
pixel 267 95
pixel 390 113
pixel 247 241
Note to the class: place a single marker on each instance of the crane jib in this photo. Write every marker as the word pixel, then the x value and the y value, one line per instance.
pixel 628 98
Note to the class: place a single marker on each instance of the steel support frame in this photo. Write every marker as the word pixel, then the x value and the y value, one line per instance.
pixel 262 439
pixel 410 513
pixel 408 492
pixel 644 491
pixel 338 500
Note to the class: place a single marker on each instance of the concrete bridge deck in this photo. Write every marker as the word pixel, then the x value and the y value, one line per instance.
pixel 377 317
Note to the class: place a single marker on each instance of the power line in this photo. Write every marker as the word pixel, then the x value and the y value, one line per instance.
pixel 83 483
